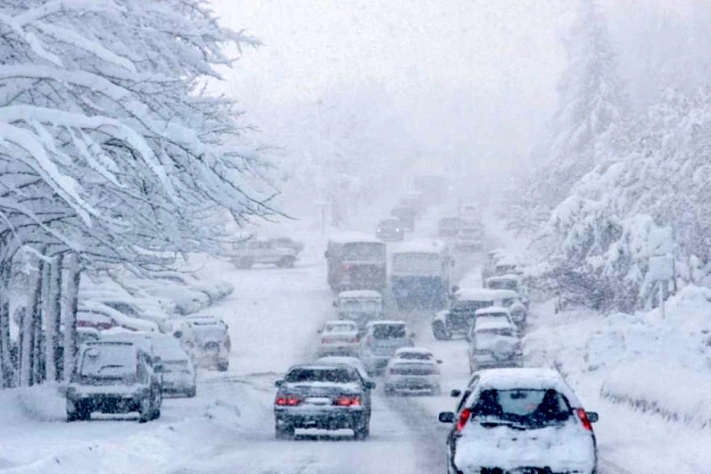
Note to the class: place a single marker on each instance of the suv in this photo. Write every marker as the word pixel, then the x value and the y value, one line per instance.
pixel 323 397
pixel 279 252
pixel 458 319
pixel 207 340
pixel 494 343
pixel 113 377
pixel 380 342
pixel 520 420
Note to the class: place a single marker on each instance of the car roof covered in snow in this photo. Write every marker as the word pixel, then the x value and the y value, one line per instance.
pixel 491 310
pixel 420 246
pixel 385 322
pixel 490 324
pixel 483 294
pixel 354 362
pixel 527 378
pixel 360 294
pixel 340 322
pixel 413 350
pixel 354 237
pixel 507 277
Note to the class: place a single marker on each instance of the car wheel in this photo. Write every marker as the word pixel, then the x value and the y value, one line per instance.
pixel 389 391
pixel 191 393
pixel 145 410
pixel 284 432
pixel 223 365
pixel 361 430
pixel 286 262
pixel 439 330
pixel 244 263
pixel 81 413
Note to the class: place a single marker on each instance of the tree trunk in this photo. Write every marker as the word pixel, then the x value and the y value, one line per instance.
pixel 6 365
pixel 69 317
pixel 50 301
pixel 38 342
pixel 28 330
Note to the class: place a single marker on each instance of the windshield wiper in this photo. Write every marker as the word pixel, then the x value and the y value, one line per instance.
pixel 508 424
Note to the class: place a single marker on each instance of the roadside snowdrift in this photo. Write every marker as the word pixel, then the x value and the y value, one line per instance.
pixel 652 363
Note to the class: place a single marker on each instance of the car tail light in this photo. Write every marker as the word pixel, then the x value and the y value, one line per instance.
pixel 348 401
pixel 327 340
pixel 346 267
pixel 463 418
pixel 584 419
pixel 288 401
pixel 352 340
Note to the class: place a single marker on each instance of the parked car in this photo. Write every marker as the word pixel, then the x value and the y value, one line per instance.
pixel 113 377
pixel 139 305
pixel 390 230
pixel 207 340
pixel 321 396
pixel 413 370
pixel 186 299
pixel 92 314
pixel 338 337
pixel 494 343
pixel 175 365
pixel 215 290
pixel 458 319
pixel 279 252
pixel 520 420
pixel 359 306
pixel 493 313
pixel 367 383
pixel 380 341
pixel 287 242
pixel 448 226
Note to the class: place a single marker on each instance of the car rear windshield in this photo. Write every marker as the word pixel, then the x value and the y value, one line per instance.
pixel 389 331
pixel 335 375
pixel 209 330
pixel 364 251
pixel 109 361
pixel 469 306
pixel 360 305
pixel 531 408
pixel 503 285
pixel 340 327
pixel 494 332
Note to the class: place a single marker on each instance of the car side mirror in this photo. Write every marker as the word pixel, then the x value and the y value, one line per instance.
pixel 158 368
pixel 319 331
pixel 446 417
pixel 178 334
pixel 335 304
pixel 439 361
pixel 455 393
pixel 369 385
pixel 593 417
pixel 278 383
pixel 325 254
pixel 455 288
pixel 413 335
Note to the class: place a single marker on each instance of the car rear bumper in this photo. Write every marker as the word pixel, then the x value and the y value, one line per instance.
pixel 325 419
pixel 489 362
pixel 338 349
pixel 412 383
pixel 108 403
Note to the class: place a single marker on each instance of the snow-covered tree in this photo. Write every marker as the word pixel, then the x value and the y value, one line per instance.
pixel 108 147
pixel 590 106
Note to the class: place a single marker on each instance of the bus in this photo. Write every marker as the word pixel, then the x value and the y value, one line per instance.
pixel 356 262
pixel 420 274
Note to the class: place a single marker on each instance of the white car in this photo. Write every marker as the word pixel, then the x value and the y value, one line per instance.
pixel 493 313
pixel 175 365
pixel 520 420
pixel 92 314
pixel 280 252
pixel 493 342
pixel 338 337
pixel 207 340
pixel 380 342
pixel 413 370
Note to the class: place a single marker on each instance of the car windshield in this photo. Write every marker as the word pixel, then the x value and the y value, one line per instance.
pixel 471 305
pixel 108 361
pixel 364 252
pixel 503 285
pixel 417 263
pixel 531 408
pixel 333 375
pixel 340 327
pixel 415 356
pixel 389 331
pixel 359 305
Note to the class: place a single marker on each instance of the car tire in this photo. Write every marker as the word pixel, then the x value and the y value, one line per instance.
pixel 439 330
pixel 284 432
pixel 286 262
pixel 362 430
pixel 389 391
pixel 245 263
pixel 222 366
pixel 145 411
pixel 81 413
pixel 191 393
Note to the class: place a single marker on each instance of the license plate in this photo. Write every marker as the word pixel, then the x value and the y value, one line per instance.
pixel 320 401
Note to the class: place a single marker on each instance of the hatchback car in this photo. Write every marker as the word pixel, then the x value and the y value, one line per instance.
pixel 338 338
pixel 207 340
pixel 413 370
pixel 323 397
pixel 520 421
pixel 381 340
pixel 113 377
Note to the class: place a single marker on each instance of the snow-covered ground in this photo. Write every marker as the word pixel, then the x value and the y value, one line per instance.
pixel 273 316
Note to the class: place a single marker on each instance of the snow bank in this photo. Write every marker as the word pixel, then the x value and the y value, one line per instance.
pixel 656 364
pixel 40 403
